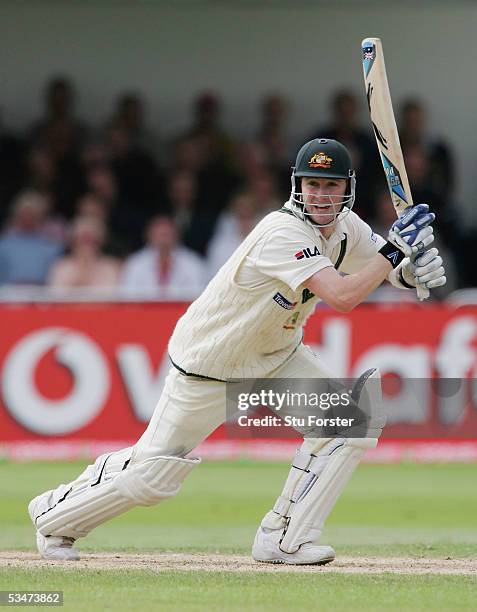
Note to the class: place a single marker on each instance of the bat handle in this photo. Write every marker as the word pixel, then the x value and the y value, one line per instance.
pixel 422 292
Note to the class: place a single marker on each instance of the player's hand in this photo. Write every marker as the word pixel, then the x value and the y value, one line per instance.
pixel 426 270
pixel 412 232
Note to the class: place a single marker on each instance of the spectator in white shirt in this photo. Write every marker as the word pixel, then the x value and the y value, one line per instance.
pixel 163 268
pixel 232 227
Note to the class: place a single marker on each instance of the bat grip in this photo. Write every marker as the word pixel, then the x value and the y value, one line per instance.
pixel 422 292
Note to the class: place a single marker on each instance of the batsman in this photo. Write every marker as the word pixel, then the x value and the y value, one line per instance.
pixel 248 323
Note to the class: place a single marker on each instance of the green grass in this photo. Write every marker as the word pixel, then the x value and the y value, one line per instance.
pixel 406 508
pixel 126 590
pixel 418 510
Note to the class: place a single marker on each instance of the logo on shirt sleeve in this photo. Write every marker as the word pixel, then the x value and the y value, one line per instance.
pixel 307 253
pixel 306 295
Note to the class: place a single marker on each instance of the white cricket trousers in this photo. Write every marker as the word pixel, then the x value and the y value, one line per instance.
pixel 191 408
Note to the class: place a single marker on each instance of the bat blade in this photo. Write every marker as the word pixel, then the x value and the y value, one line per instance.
pixel 384 124
pixel 385 130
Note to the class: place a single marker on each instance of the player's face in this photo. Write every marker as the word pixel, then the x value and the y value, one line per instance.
pixel 323 198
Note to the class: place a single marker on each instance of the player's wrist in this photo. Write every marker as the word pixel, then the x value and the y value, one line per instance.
pixel 392 254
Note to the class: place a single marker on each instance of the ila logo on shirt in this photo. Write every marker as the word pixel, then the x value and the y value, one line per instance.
pixel 307 252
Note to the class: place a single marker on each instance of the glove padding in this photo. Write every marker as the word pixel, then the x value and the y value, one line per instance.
pixel 426 270
pixel 412 232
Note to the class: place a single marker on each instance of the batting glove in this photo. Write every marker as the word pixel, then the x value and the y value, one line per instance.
pixel 412 232
pixel 426 270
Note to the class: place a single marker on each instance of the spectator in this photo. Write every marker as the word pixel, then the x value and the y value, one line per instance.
pixel 446 224
pixel 182 199
pixel 91 205
pixel 95 153
pixel 42 175
pixel 59 110
pixel 413 132
pixel 52 226
pixel 272 127
pixel 448 229
pixel 258 178
pixel 385 213
pixel 138 178
pixel 218 145
pixel 217 155
pixel 253 160
pixel 193 226
pixel 188 155
pixel 101 182
pixel 62 135
pixel 233 226
pixel 345 128
pixel 124 225
pixel 262 189
pixel 26 254
pixel 41 170
pixel 12 169
pixel 85 266
pixel 272 135
pixel 129 115
pixel 163 268
pixel 214 185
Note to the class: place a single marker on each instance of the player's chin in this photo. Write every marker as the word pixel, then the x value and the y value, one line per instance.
pixel 323 218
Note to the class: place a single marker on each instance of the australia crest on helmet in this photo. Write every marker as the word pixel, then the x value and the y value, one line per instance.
pixel 320 160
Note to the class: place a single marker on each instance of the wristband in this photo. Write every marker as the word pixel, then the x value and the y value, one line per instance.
pixel 392 254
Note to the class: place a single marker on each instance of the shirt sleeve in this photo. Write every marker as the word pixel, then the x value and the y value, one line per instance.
pixel 366 243
pixel 290 256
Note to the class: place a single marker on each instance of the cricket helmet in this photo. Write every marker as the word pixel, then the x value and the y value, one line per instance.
pixel 323 158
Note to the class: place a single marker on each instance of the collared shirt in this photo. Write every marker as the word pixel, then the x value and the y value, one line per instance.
pixel 250 317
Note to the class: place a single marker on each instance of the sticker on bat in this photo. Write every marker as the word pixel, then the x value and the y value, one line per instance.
pixel 369 55
pixel 393 178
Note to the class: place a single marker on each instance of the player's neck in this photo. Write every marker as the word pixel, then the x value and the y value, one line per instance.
pixel 327 231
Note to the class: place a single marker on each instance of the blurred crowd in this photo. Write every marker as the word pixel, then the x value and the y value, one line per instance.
pixel 118 209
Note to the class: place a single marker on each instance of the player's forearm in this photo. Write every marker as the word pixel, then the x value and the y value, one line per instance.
pixel 357 287
pixel 343 293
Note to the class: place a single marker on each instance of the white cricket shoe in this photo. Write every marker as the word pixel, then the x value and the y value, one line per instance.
pixel 52 547
pixel 58 548
pixel 266 549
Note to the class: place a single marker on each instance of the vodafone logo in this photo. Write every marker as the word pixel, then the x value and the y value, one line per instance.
pixel 57 380
pixel 89 371
pixel 454 359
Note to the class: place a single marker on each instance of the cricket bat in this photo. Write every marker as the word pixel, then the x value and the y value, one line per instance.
pixel 385 129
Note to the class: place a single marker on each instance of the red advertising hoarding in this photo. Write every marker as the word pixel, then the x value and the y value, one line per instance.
pixel 76 379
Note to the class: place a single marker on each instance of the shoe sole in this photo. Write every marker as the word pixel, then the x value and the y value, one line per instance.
pixel 61 559
pixel 283 562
